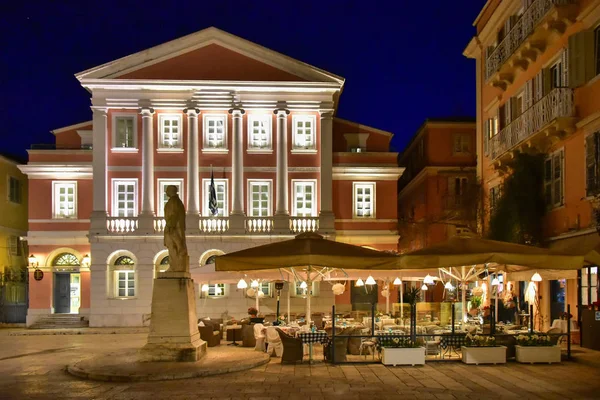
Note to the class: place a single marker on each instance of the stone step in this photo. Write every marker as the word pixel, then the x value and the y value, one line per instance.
pixel 59 321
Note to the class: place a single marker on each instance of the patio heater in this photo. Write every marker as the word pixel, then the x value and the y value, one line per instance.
pixel 278 287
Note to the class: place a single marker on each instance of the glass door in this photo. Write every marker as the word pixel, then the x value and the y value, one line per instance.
pixel 75 293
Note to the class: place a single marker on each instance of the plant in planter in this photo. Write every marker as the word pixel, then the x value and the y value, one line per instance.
pixel 534 348
pixel 401 351
pixel 483 350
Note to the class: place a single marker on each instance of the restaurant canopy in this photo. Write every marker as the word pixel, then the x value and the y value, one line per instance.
pixel 468 250
pixel 306 249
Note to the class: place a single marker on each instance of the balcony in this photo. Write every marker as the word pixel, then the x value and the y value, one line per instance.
pixel 217 226
pixel 539 127
pixel 542 23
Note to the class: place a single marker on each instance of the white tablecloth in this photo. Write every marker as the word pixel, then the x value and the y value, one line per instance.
pixel 562 325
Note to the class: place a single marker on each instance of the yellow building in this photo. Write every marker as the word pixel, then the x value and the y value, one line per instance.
pixel 13 251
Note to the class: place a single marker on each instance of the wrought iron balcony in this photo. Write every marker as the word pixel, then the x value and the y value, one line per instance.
pixel 553 116
pixel 527 38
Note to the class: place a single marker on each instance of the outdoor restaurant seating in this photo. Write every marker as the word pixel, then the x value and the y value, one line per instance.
pixel 275 346
pixel 292 347
pixel 260 337
pixel 248 339
pixel 210 332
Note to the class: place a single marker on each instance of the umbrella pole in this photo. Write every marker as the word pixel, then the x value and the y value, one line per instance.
pixel 464 302
pixel 387 299
pixel 257 304
pixel 402 303
pixel 308 294
pixel 288 303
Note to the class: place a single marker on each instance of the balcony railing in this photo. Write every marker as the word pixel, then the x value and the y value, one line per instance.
pixel 304 224
pixel 522 29
pixel 217 225
pixel 556 104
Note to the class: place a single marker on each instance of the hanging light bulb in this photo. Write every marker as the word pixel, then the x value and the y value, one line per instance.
pixel 204 288
pixel 242 284
pixel 370 281
pixel 428 280
pixel 303 285
pixel 495 281
pixel 397 281
pixel 254 284
pixel 448 286
pixel 424 287
pixel 536 277
pixel 359 282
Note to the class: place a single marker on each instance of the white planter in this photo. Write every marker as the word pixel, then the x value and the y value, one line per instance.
pixel 403 356
pixel 484 355
pixel 537 354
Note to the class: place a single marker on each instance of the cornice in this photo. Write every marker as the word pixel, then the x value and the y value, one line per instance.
pixel 367 172
pixel 55 171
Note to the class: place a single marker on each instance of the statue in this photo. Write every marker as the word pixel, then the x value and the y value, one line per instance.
pixel 175 232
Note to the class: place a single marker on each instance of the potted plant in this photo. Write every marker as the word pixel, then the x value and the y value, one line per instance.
pixel 483 350
pixel 534 348
pixel 401 351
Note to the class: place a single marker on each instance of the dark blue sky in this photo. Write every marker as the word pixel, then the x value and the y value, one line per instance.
pixel 402 59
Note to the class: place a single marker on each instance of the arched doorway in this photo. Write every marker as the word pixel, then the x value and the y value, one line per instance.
pixel 67 283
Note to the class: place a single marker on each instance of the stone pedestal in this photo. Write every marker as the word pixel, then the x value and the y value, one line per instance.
pixel 174 332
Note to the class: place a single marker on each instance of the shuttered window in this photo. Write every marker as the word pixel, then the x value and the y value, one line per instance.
pixel 592 164
pixel 582 57
pixel 553 179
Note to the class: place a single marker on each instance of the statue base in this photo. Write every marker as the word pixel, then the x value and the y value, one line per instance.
pixel 174 332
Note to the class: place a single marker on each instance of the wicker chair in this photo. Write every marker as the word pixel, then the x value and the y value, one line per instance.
pixel 292 348
pixel 554 331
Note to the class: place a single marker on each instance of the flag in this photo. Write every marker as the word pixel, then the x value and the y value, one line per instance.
pixel 212 197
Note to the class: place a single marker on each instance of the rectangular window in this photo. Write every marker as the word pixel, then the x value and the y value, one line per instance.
pixel 65 199
pixel 462 144
pixel 259 198
pixel 125 198
pixel 304 199
pixel 14 190
pixel 556 75
pixel 364 200
pixel 265 287
pixel 215 132
pixel 494 197
pixel 15 245
pixel 553 179
pixel 259 132
pixel 458 190
pixel 125 283
pixel 592 164
pixel 162 195
pixel 304 131
pixel 125 132
pixel 170 132
pixel 222 199
pixel 299 292
pixel 216 290
pixel 597 49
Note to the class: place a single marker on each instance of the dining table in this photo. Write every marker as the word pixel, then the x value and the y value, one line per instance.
pixel 310 338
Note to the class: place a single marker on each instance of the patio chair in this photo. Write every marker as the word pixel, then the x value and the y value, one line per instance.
pixel 369 344
pixel 260 337
pixel 554 331
pixel 274 340
pixel 292 347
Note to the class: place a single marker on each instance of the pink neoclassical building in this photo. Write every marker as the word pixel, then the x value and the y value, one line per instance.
pixel 262 123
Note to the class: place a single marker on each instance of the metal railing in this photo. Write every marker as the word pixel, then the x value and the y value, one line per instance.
pixel 557 103
pixel 524 27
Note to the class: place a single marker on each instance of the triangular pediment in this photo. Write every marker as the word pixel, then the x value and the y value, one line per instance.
pixel 210 54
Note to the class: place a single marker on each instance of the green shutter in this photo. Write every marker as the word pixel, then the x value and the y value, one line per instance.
pixel 547 78
pixel 581 58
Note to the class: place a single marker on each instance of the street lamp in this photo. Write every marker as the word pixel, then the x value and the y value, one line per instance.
pixel 33 262
pixel 86 260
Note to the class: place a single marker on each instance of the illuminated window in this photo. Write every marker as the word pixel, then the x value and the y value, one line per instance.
pixel 125 198
pixel 304 132
pixel 304 200
pixel 259 131
pixel 364 200
pixel 259 198
pixel 216 290
pixel 65 199
pixel 221 192
pixel 162 195
pixel 170 132
pixel 124 132
pixel 215 134
pixel 125 283
pixel 65 260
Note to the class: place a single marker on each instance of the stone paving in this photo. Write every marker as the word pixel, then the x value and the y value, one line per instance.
pixel 33 367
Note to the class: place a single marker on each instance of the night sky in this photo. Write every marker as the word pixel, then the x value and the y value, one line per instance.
pixel 402 59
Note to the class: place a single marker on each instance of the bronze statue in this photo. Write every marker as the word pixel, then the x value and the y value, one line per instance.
pixel 175 232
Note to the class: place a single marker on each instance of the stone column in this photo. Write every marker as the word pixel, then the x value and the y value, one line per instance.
pixel 281 220
pixel 146 217
pixel 99 164
pixel 193 177
pixel 326 216
pixel 236 221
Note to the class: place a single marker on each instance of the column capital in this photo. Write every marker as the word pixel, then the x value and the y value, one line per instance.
pixel 281 112
pixel 326 113
pixel 146 111
pixel 99 110
pixel 191 111
pixel 237 111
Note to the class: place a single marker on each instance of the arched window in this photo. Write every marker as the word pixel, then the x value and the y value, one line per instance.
pixel 164 264
pixel 65 260
pixel 124 277
pixel 165 261
pixel 211 259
